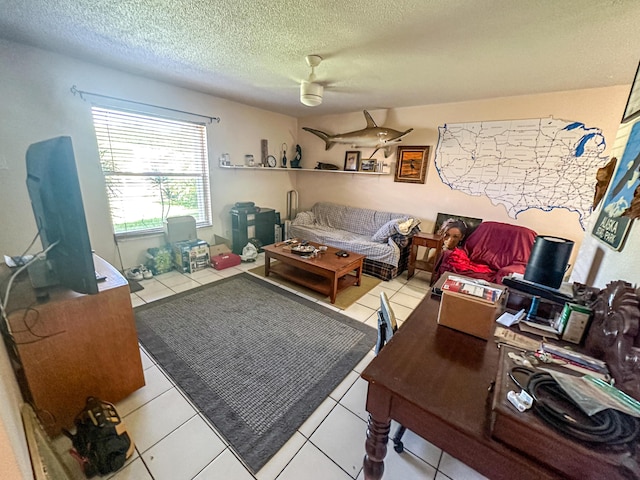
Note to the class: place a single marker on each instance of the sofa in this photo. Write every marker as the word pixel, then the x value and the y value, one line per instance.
pixel 493 251
pixel 383 237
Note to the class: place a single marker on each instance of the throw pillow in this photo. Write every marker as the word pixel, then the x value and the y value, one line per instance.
pixel 304 218
pixel 405 227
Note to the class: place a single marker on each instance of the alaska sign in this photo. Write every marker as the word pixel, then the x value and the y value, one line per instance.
pixel 612 225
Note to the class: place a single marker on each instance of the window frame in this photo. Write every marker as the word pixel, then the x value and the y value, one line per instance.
pixel 108 119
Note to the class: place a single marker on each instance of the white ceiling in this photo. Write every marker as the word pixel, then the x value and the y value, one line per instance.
pixel 377 54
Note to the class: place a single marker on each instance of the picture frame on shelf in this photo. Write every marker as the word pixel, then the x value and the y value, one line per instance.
pixel 351 161
pixel 411 164
pixel 632 109
pixel 368 165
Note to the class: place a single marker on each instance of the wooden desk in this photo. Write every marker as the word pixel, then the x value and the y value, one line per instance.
pixel 435 381
pixel 73 345
pixel 428 240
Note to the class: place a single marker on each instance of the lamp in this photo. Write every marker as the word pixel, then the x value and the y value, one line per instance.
pixel 311 92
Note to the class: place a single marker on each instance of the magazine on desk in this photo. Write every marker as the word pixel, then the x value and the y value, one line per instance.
pixel 473 287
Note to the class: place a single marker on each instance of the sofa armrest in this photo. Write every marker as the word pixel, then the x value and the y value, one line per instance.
pixel 401 240
pixel 508 270
pixel 304 218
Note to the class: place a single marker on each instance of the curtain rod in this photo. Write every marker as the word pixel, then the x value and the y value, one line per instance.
pixel 75 91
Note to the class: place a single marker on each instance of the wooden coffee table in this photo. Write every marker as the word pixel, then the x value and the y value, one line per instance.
pixel 326 273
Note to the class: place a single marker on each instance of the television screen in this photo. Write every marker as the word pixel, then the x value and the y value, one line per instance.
pixel 56 199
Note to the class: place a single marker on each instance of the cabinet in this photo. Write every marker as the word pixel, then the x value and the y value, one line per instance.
pixel 71 346
pixel 252 222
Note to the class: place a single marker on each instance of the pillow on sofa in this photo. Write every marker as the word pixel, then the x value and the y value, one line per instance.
pixel 305 218
pixel 403 226
pixel 388 229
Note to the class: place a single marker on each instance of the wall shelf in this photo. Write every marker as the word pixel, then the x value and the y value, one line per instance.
pixel 279 169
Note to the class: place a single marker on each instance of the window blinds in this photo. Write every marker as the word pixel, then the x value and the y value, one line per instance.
pixel 154 168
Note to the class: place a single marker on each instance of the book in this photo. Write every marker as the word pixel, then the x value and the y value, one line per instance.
pixel 472 287
pixel 576 358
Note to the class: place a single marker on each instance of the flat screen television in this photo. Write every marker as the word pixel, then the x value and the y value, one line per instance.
pixel 56 199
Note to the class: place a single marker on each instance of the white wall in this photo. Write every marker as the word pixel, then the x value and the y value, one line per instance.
pixel 599 108
pixel 37 104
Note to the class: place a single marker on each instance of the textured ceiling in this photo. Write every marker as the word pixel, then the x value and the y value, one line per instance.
pixel 377 54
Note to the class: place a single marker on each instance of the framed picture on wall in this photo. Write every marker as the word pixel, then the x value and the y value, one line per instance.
pixel 632 110
pixel 411 164
pixel 352 161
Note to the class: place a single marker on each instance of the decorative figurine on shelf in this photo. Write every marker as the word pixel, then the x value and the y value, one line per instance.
pixel 295 163
pixel 284 155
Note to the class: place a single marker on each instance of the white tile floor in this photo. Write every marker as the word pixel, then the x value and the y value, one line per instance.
pixel 174 442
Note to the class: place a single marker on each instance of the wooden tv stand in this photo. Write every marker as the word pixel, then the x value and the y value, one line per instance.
pixel 71 346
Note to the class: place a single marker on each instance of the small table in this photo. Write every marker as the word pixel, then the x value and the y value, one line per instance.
pixel 326 273
pixel 428 240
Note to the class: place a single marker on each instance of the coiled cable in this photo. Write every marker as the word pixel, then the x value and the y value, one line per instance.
pixel 558 409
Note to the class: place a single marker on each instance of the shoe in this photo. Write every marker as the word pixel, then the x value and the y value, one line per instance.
pixel 146 273
pixel 134 274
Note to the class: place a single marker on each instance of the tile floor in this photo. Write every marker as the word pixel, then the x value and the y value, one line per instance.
pixel 174 442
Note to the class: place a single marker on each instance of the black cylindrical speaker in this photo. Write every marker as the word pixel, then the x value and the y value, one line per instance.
pixel 548 261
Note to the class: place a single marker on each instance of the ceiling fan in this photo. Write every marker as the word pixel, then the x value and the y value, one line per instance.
pixel 310 91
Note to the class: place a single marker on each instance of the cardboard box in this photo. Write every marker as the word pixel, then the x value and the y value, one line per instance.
pixel 191 256
pixel 221 249
pixel 470 314
pixel 180 229
pixel 574 321
pixel 160 260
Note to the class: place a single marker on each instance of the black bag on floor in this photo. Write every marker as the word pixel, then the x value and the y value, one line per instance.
pixel 101 443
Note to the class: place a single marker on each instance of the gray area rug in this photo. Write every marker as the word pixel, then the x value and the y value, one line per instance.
pixel 255 359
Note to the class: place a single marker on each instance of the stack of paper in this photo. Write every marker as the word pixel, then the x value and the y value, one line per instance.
pixel 473 287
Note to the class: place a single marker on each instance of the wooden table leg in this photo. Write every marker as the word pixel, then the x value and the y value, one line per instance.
pixel 359 275
pixel 376 448
pixel 267 264
pixel 334 288
pixel 412 260
pixel 435 263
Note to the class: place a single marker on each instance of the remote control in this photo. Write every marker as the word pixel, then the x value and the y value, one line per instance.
pixel 342 253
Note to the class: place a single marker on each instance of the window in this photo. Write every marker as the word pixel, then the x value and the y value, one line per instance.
pixel 154 168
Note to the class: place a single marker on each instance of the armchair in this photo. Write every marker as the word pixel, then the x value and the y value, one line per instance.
pixel 493 251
